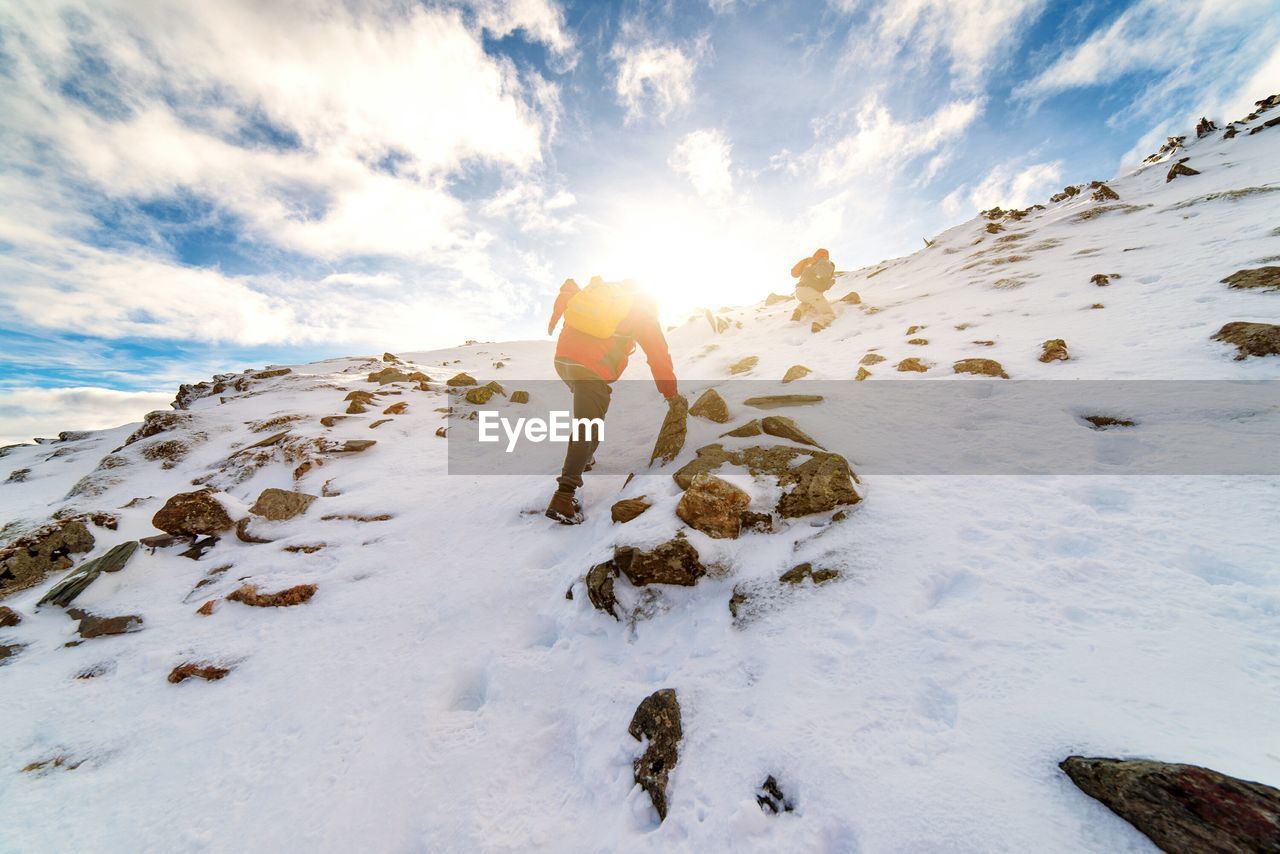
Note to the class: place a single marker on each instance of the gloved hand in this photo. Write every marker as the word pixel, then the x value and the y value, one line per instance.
pixel 551 328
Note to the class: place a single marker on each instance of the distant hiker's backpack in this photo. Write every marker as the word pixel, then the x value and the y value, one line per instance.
pixel 598 309
pixel 819 274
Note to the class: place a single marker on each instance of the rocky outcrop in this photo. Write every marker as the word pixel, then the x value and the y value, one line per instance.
pixel 66 590
pixel 851 298
pixel 355 446
pixel 397 408
pixel 785 428
pixel 1103 193
pixel 982 367
pixel 797 575
pixel 1102 422
pixel 871 359
pixel 94 626
pixel 1055 350
pixel 461 379
pixel 1182 808
pixel 795 372
pixel 281 504
pixel 862 374
pixel 1261 278
pixel 713 506
pixel 395 375
pixel 912 365
pixel 28 560
pixel 674 562
pixel 628 509
pixel 193 670
pixel 248 594
pixel 519 397
pixel 744 365
pixel 746 431
pixel 157 422
pixel 9 617
pixel 711 406
pixel 777 401
pixel 812 481
pixel 657 720
pixel 1251 339
pixel 193 514
pixel 671 436
pixel 1180 168
pixel 1204 127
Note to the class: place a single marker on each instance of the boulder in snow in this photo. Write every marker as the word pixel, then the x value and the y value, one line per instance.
pixel 1055 350
pixel 94 626
pixel 9 617
pixel 26 561
pixel 1180 168
pixel 713 506
pixel 193 514
pixel 1263 278
pixel 674 562
pixel 982 367
pixel 248 594
pixel 785 428
pixel 912 364
pixel 813 481
pixel 862 374
pixel 671 435
pixel 281 504
pixel 66 590
pixel 1182 807
pixel 460 380
pixel 770 797
pixel 1251 339
pixel 777 401
pixel 746 431
pixel 744 365
pixel 657 719
pixel 795 372
pixel 190 670
pixel 519 397
pixel 711 406
pixel 871 359
pixel 628 509
pixel 599 583
pixel 797 575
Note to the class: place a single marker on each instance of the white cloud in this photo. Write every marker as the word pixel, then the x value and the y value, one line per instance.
pixel 1007 185
pixel 971 33
pixel 654 79
pixel 882 145
pixel 29 412
pixel 705 157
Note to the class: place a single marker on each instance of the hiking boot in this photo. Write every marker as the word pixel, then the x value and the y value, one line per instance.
pixel 564 508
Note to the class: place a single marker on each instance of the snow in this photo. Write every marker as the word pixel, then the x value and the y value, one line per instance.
pixel 440 693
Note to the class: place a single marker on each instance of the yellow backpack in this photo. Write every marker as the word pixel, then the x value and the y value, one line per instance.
pixel 598 309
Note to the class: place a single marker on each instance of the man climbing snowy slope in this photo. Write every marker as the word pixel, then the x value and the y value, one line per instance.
pixel 816 275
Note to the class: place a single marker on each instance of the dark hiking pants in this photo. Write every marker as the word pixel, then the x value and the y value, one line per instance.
pixel 590 400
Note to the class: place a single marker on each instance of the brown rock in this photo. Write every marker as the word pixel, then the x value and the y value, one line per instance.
pixel 912 330
pixel 912 364
pixel 744 365
pixel 207 608
pixel 442 431
pixel 279 504
pixel 798 574
pixel 26 561
pixel 157 422
pixel 390 357
pixel 1055 350
pixel 355 446
pixel 852 298
pixel 822 482
pixel 1097 305
pixel 674 562
pixel 479 395
pixel 628 508
pixel 248 594
pixel 1182 808
pixel 272 373
pixel 9 650
pixel 519 397
pixel 599 583
pixel 713 506
pixel 193 514
pixel 361 396
pixel 356 408
pixel 1102 422
pixel 918 341
pixel 994 228
pixel 391 375
pixel 671 435
pixel 373 425
pixel 746 431
pixel 1103 193
pixel 862 374
pixel 711 406
pixel 657 719
pixel 871 359
pixel 1264 278
pixel 795 372
pixel 777 401
pixel 9 617
pixel 207 672
pixel 785 428
pixel 396 408
pixel 984 367
pixel 462 379
pixel 330 420
pixel 1205 127
pixel 93 626
pixel 1100 279
pixel 1179 168
pixel 1251 339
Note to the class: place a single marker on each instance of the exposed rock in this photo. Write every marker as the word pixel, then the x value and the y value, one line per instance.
pixel 918 341
pixel 272 373
pixel 355 446
pixel 851 298
pixel 657 719
pixel 785 428
pixel 628 509
pixel 674 562
pixel 862 374
pixel 94 626
pixel 798 574
pixel 66 590
pixel 361 396
pixel 157 422
pixel 711 406
pixel 9 650
pixel 984 367
pixel 207 609
pixel 248 594
pixel 1179 168
pixel 304 548
pixel 356 408
pixel 1100 279
pixel 479 395
pixel 442 431
pixel 771 799
pixel 1102 422
pixel 994 228
pixel 776 401
pixel 1103 193
pixel 356 517
pixel 671 435
pixel 1231 132
pixel 193 514
pixel 713 506
pixel 1251 339
pixel 871 359
pixel 1205 127
pixel 599 583
pixel 822 482
pixel 9 617
pixel 774 299
pixel 26 562
pixel 373 425
pixel 744 365
pixel 746 431
pixel 1055 350
pixel 395 375
pixel 795 372
pixel 912 330
pixel 280 504
pixel 199 547
pixel 759 522
pixel 390 357
pixel 396 408
pixel 1265 278
pixel 265 443
pixel 207 672
pixel 985 343
pixel 1097 305
pixel 462 379
pixel 18 476
pixel 1182 807
pixel 1171 145
pixel 912 364
pixel 519 397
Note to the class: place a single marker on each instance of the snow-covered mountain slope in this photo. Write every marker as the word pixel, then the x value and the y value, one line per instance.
pixel 440 692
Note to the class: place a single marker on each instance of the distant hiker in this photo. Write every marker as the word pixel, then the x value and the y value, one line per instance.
pixel 816 275
pixel 603 322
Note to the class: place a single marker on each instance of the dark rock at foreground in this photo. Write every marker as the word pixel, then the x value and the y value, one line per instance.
pixel 813 481
pixel 674 562
pixel 193 514
pixel 25 562
pixel 1183 807
pixel 657 719
pixel 1262 278
pixel 1251 339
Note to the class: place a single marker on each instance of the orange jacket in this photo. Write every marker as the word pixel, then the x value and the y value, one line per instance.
pixel 607 357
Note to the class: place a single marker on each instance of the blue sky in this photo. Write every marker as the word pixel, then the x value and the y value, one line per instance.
pixel 189 188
